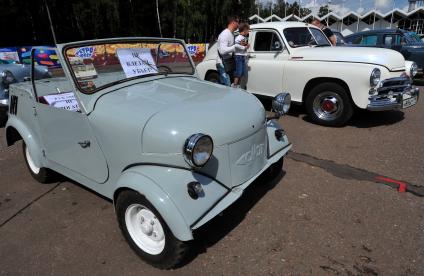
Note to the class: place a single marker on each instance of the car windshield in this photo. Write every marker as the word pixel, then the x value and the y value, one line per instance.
pixel 303 36
pixel 101 65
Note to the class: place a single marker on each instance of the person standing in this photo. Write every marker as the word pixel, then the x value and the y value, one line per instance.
pixel 225 62
pixel 328 33
pixel 240 55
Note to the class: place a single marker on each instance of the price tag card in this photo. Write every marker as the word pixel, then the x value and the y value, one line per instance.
pixel 65 101
pixel 136 61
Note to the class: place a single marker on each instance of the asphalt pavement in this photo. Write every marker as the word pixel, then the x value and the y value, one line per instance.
pixel 325 215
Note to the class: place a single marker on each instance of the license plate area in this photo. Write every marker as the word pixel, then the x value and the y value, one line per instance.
pixel 409 100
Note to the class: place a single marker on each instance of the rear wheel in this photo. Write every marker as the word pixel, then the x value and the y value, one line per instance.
pixel 42 175
pixel 212 76
pixel 147 233
pixel 329 104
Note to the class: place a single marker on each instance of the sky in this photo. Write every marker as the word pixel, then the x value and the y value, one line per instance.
pixel 343 6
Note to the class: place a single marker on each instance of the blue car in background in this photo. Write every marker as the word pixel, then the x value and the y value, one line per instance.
pixel 12 73
pixel 409 44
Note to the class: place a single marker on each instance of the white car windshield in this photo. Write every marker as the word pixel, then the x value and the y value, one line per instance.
pixel 303 36
pixel 96 66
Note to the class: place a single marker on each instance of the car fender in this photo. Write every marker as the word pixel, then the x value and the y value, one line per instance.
pixel 135 180
pixel 355 76
pixel 14 125
pixel 204 67
pixel 166 188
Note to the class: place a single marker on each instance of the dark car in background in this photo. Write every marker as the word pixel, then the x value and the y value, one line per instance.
pixel 13 73
pixel 407 43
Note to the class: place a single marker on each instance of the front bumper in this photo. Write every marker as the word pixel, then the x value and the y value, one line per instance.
pixel 233 194
pixel 392 100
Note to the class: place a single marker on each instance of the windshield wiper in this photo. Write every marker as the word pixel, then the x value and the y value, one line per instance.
pixel 322 45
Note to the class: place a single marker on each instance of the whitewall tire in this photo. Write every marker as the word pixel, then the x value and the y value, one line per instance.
pixel 147 233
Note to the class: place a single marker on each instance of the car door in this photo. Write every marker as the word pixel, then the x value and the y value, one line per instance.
pixel 266 63
pixel 67 136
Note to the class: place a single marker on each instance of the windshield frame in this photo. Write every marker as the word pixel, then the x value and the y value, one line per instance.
pixel 159 41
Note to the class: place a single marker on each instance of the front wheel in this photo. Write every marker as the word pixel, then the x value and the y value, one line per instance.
pixel 147 233
pixel 329 104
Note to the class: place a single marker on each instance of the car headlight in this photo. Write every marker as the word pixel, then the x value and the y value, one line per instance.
pixel 7 77
pixel 281 103
pixel 198 149
pixel 414 70
pixel 375 77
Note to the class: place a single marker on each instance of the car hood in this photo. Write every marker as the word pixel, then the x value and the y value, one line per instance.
pixel 168 110
pixel 390 59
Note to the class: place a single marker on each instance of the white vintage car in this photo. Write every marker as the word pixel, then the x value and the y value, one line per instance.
pixel 329 81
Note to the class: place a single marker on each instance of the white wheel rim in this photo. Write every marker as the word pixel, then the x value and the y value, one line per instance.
pixel 31 163
pixel 145 229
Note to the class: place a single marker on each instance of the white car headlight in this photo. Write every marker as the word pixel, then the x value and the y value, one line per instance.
pixel 7 77
pixel 413 70
pixel 375 77
pixel 281 103
pixel 198 149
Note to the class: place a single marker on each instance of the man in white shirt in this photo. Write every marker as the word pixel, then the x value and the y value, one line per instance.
pixel 225 63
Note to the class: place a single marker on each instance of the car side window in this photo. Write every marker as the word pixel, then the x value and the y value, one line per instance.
pixel 388 40
pixel 392 39
pixel 267 42
pixel 53 89
pixel 370 40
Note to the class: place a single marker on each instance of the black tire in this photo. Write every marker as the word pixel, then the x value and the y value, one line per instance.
pixel 174 251
pixel 212 76
pixel 42 175
pixel 275 169
pixel 329 104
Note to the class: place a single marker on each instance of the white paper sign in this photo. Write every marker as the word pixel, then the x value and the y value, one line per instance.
pixel 65 101
pixel 9 56
pixel 136 61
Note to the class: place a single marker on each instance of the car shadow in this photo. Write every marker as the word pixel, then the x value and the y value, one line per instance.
pixel 220 226
pixel 367 119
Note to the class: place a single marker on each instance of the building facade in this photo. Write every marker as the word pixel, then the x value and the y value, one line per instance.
pixel 353 22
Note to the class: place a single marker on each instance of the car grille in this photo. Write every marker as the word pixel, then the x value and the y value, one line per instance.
pixel 248 156
pixel 394 86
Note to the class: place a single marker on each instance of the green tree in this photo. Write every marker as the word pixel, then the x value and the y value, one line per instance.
pixel 323 10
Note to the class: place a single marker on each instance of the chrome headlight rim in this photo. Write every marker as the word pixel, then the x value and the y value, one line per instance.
pixel 190 146
pixel 7 77
pixel 281 103
pixel 413 71
pixel 375 77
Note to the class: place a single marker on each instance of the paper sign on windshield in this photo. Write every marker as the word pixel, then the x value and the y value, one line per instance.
pixel 136 61
pixel 65 101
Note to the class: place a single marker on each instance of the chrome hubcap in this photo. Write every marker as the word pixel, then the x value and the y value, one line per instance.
pixel 328 106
